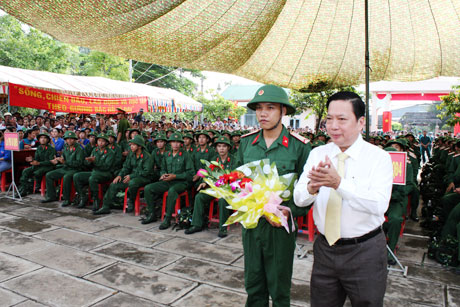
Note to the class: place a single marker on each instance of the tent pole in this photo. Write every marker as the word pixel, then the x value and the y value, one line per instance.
pixel 8 92
pixel 367 67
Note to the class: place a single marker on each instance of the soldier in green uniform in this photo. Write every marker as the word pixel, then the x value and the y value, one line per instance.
pixel 91 145
pixel 269 248
pixel 122 126
pixel 202 200
pixel 203 152
pixel 236 138
pixel 452 228
pixel 70 162
pixel 101 161
pixel 188 143
pixel 137 171
pixel 118 156
pixel 40 165
pixel 158 154
pixel 176 168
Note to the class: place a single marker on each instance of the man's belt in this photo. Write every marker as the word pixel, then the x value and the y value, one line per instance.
pixel 367 236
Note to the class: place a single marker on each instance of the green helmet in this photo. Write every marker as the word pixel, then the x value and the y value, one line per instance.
pixel 272 93
pixel 70 135
pixel 399 141
pixel 223 140
pixel 138 140
pixel 188 135
pixel 176 136
pixel 317 143
pixel 238 133
pixel 111 133
pixel 160 137
pixel 104 136
pixel 144 134
pixel 203 132
pixel 44 134
pixel 389 148
pixel 92 133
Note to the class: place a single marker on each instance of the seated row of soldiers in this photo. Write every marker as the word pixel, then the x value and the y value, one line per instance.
pixel 441 192
pixel 165 165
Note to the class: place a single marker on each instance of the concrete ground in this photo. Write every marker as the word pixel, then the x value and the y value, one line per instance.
pixel 52 256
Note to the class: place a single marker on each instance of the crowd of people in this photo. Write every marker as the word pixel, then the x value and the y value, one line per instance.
pixel 103 156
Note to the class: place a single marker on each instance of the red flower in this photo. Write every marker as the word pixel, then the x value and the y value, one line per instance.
pixel 244 181
pixel 212 167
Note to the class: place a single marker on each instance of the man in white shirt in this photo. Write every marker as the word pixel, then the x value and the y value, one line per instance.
pixel 350 251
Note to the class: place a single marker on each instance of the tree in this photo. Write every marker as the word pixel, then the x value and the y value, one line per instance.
pixel 101 64
pixel 217 106
pixel 168 77
pixel 450 107
pixel 317 101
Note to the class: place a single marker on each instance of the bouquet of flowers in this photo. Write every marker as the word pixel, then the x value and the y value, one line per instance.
pixel 253 190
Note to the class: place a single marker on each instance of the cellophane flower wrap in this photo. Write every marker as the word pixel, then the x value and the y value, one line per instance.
pixel 253 190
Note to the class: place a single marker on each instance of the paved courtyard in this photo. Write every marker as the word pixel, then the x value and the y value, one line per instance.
pixel 52 256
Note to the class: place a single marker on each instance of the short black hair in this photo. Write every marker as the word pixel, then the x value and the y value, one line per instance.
pixel 359 108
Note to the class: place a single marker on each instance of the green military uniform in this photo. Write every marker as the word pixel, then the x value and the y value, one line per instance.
pixel 118 155
pixel 101 172
pixel 180 165
pixel 268 250
pixel 140 170
pixel 43 155
pixel 203 200
pixel 90 147
pixel 207 153
pixel 73 161
pixel 123 125
pixel 158 155
pixel 452 227
pixel 397 208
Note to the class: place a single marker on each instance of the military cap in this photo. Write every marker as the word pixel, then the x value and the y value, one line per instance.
pixel 176 136
pixel 103 135
pixel 317 143
pixel 144 134
pixel 111 133
pixel 399 141
pixel 44 134
pixel 70 135
pixel 389 148
pixel 138 140
pixel 203 132
pixel 93 133
pixel 134 129
pixel 222 140
pixel 171 130
pixel 121 111
pixel 237 132
pixel 160 137
pixel 271 93
pixel 188 135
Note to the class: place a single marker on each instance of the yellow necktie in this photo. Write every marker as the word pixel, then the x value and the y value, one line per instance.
pixel 334 206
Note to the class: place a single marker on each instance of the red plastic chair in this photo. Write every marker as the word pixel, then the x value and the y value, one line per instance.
pixel 409 200
pixel 137 202
pixel 307 225
pixel 100 195
pixel 72 191
pixel 213 218
pixel 42 185
pixel 4 183
pixel 177 207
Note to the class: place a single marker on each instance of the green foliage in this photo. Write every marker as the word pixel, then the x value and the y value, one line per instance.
pixel 100 64
pixel 304 101
pixel 449 107
pixel 395 126
pixel 168 77
pixel 217 106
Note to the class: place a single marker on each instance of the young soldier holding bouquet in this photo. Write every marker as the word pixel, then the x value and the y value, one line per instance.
pixel 269 248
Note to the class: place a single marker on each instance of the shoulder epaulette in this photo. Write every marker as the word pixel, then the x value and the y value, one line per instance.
pixel 250 133
pixel 457 155
pixel 412 155
pixel 299 137
pixel 451 153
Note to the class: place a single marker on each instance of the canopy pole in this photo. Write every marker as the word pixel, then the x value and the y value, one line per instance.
pixel 9 107
pixel 366 60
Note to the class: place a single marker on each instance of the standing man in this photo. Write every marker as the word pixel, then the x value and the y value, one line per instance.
pixel 122 125
pixel 425 146
pixel 269 248
pixel 350 182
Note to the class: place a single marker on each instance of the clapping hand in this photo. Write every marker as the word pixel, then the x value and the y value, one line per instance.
pixel 325 175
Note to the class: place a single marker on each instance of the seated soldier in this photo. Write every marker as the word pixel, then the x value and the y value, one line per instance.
pixel 101 162
pixel 118 158
pixel 137 171
pixel 452 228
pixel 203 152
pixel 91 144
pixel 158 153
pixel 397 206
pixel 176 169
pixel 202 200
pixel 41 164
pixel 70 162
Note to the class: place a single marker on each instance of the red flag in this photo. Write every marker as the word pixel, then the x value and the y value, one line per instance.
pixel 386 121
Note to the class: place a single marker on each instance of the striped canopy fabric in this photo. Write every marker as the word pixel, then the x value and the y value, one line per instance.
pixel 301 44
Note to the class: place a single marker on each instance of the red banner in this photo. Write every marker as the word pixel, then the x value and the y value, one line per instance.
pixel 29 97
pixel 386 121
pixel 399 167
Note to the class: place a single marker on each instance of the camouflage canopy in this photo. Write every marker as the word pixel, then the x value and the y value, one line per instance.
pixel 292 43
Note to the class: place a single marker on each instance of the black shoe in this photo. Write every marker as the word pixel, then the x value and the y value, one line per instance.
pixel 222 233
pixel 166 223
pixel 414 218
pixel 149 219
pixel 82 203
pixel 103 210
pixel 48 200
pixel 192 229
pixel 65 203
pixel 96 203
